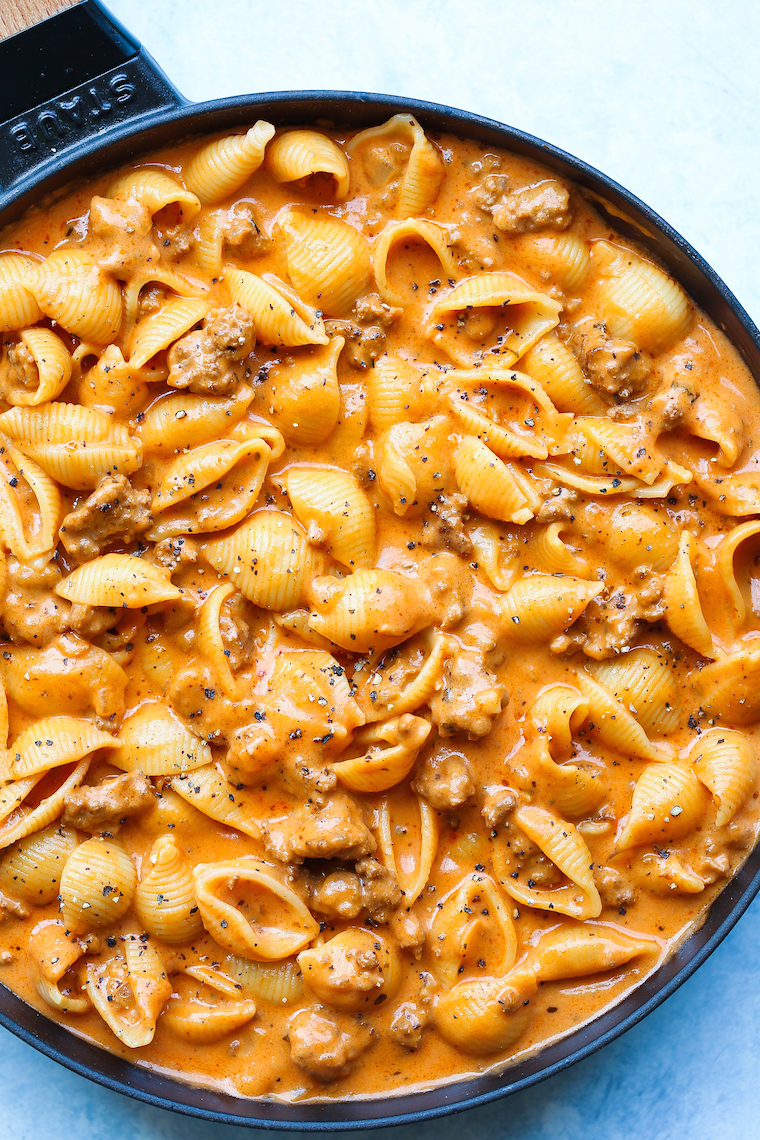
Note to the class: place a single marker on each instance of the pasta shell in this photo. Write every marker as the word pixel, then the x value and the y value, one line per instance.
pixel 332 503
pixel 73 290
pixel 592 948
pixel 726 556
pixel 369 610
pixel 559 711
pixel 277 983
pixel 157 275
pixel 541 606
pixel 490 314
pixel 250 912
pixel 554 556
pixel 267 558
pixel 498 490
pixel 413 870
pixel 299 154
pixel 220 168
pixel 643 680
pixel 572 790
pixel 154 189
pixel 482 1017
pixel 328 260
pixel 730 687
pixel 662 872
pixel 64 1002
pixel 726 763
pixel 97 885
pixel 165 899
pixel 634 536
pixel 556 369
pixel 89 676
pixel 160 330
pixel 51 362
pixel 30 505
pixel 424 172
pixel 411 230
pixel 565 257
pixel 503 442
pixel 395 392
pixel 612 722
pixel 382 768
pixel 118 581
pixel 302 395
pixel 210 488
pixel 638 300
pixel 489 547
pixel 209 792
pixel 613 484
pixel 76 446
pixel 279 314
pixel 419 690
pixel 203 1024
pixel 564 845
pixel 352 970
pixel 3 697
pixel 129 993
pixel 154 741
pixel 25 822
pixel 53 742
pixel 18 278
pixel 210 637
pixel 668 802
pixel 630 448
pixel 32 869
pixel 473 927
pixel 186 420
pixel 683 608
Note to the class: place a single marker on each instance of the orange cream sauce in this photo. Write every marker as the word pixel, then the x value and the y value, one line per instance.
pixel 256 1061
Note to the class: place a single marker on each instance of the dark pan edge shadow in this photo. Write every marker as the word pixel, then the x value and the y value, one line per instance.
pixel 357 109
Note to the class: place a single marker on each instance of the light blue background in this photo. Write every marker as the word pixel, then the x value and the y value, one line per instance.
pixel 663 96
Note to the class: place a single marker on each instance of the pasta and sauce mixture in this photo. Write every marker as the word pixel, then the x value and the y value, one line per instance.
pixel 379 611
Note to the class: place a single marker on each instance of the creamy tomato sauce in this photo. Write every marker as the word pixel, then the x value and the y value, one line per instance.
pixel 430 680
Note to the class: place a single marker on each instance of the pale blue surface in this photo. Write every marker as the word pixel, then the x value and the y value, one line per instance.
pixel 636 89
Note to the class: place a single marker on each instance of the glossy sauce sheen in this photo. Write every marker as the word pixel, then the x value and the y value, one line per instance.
pixel 439 551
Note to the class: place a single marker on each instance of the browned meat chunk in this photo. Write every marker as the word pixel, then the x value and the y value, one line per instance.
pixel 114 511
pixel 30 612
pixel 237 635
pixel 559 507
pixel 613 888
pixel 172 552
pixel 373 310
pixel 363 345
pixel 212 360
pixel 339 895
pixel 490 190
pixel 444 779
pixel 334 830
pixel 17 368
pixel 444 527
pixel 90 621
pixel 543 206
pixel 609 624
pixel 470 699
pixel 409 1021
pixel 12 906
pixel 613 365
pixel 380 891
pixel 499 802
pixel 325 1045
pixel 111 802
pixel 242 234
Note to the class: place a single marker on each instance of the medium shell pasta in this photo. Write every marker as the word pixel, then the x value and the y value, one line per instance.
pixel 497 489
pixel 216 797
pixel 490 314
pixel 281 317
pixel 328 260
pixel 332 504
pixel 164 898
pixel 18 305
pixel 395 391
pixel 540 606
pixel 644 682
pixel 411 230
pixel 577 950
pixel 424 171
pixel 482 1017
pixel 203 1024
pixel 30 504
pixel 32 869
pixel 382 768
pixel 612 721
pixel 73 290
pixel 162 329
pixel 370 610
pixel 118 581
pixel 248 932
pixel 304 395
pixel 154 189
pixel 553 365
pixel 726 763
pixel 20 823
pixel 668 802
pixel 179 420
pixel 277 983
pixel 139 981
pixel 76 446
pixel 565 257
pixel 638 300
pixel 221 167
pixel 97 885
pixel 412 882
pixel 299 154
pixel 46 373
pixel 155 742
pixel 267 558
pixel 53 742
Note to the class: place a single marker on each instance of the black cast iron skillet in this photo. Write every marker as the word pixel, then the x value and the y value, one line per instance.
pixel 79 94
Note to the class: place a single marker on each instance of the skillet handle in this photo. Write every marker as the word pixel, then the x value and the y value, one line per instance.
pixel 76 76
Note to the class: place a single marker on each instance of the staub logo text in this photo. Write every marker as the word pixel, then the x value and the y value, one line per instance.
pixel 49 126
